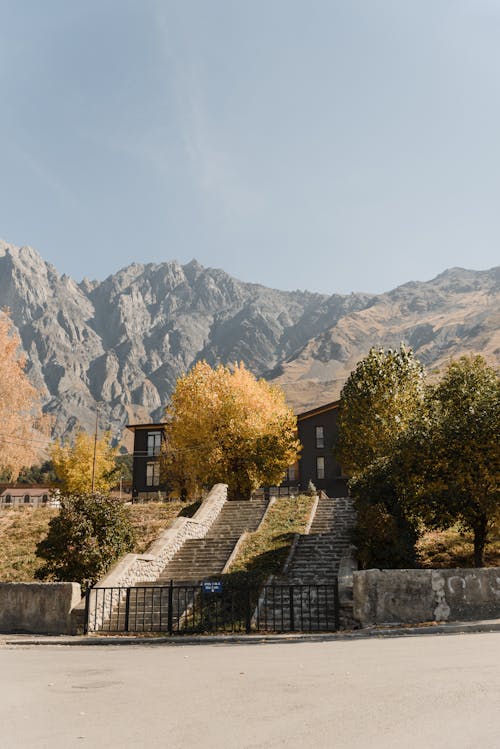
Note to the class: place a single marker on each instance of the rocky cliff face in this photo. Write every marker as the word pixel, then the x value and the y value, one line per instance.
pixel 125 340
pixel 458 312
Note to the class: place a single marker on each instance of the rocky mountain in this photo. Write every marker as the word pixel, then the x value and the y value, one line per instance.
pixel 124 341
pixel 457 312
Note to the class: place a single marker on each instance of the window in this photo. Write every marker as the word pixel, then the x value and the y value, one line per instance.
pixel 320 438
pixel 154 443
pixel 152 474
pixel 8 499
pixel 320 467
pixel 291 473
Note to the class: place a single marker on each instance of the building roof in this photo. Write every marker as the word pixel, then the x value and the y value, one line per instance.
pixel 318 410
pixel 305 415
pixel 133 427
pixel 22 491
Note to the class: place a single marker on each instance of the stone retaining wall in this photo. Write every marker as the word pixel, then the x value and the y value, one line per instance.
pixel 412 596
pixel 38 608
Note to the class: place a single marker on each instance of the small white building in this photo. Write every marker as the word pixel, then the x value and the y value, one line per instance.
pixel 27 496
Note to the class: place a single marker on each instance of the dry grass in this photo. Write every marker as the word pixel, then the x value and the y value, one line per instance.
pixel 454 548
pixel 21 529
pixel 264 551
pixel 151 518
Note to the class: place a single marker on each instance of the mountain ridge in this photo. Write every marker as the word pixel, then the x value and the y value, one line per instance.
pixel 123 341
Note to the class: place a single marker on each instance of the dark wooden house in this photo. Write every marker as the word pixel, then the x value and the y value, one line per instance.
pixel 317 432
pixel 146 479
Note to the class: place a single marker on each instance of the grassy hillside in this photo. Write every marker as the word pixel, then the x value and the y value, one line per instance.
pixel 22 528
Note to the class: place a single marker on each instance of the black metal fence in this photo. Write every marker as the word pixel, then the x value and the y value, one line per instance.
pixel 277 491
pixel 213 608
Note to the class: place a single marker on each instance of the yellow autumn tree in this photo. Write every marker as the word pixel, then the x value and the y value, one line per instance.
pixel 73 464
pixel 20 410
pixel 224 425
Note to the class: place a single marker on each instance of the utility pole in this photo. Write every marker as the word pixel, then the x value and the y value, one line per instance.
pixel 95 446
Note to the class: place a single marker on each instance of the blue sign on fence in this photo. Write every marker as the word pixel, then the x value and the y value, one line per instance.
pixel 212 586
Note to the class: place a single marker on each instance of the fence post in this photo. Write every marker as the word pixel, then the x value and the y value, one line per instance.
pixel 248 611
pixel 170 605
pixel 336 604
pixel 292 610
pixel 127 609
pixel 87 612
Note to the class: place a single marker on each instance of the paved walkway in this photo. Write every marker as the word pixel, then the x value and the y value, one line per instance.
pixel 450 628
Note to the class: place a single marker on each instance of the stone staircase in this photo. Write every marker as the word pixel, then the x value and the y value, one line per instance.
pixel 205 557
pixel 196 560
pixel 318 554
pixel 314 566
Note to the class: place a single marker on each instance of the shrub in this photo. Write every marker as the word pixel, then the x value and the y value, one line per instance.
pixel 89 533
pixel 311 489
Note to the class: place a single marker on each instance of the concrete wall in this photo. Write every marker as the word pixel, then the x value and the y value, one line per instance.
pixel 38 608
pixel 409 596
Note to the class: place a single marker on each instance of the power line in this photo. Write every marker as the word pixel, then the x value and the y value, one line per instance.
pixel 9 439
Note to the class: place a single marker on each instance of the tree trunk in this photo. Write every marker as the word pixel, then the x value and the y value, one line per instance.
pixel 480 535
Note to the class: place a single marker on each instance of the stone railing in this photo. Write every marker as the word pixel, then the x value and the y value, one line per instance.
pixel 145 568
pixel 243 538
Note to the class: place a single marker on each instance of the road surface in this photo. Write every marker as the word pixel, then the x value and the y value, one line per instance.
pixel 425 691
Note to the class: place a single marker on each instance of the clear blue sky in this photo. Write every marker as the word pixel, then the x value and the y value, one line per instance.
pixel 321 144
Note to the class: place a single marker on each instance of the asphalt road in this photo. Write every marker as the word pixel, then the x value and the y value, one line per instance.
pixel 425 691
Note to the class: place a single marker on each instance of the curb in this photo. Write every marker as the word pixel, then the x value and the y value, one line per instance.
pixel 453 628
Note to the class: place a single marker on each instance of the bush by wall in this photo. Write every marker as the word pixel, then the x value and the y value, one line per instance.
pixel 84 539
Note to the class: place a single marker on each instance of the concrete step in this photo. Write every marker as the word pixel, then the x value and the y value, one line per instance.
pixel 201 558
pixel 316 561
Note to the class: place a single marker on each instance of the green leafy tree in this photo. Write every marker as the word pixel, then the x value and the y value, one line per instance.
pixel 87 535
pixel 386 532
pixel 376 404
pixel 450 455
pixel 124 464
pixel 226 426
pixel 38 474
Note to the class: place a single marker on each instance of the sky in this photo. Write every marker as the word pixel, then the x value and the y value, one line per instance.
pixel 329 145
